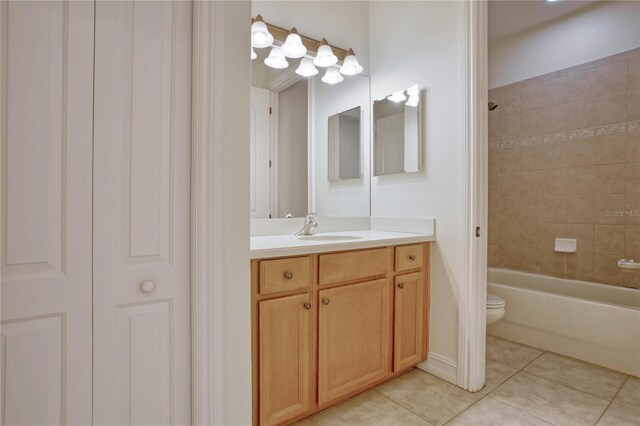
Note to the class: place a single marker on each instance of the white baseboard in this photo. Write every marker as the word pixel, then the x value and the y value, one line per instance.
pixel 441 367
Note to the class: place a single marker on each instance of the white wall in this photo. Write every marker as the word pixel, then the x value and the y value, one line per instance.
pixel 292 166
pixel 591 33
pixel 344 24
pixel 431 35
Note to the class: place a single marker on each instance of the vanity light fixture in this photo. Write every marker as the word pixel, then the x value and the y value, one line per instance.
pixel 293 47
pixel 306 68
pixel 325 57
pixel 351 66
pixel 260 35
pixel 313 53
pixel 276 59
pixel 397 97
pixel 332 76
pixel 414 96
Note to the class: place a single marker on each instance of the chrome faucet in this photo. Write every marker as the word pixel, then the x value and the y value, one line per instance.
pixel 310 225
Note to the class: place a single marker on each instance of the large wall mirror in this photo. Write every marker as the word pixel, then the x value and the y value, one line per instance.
pixel 397 132
pixel 310 143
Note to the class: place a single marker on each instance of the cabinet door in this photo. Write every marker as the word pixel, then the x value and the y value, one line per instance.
pixel 46 111
pixel 409 306
pixel 285 358
pixel 354 338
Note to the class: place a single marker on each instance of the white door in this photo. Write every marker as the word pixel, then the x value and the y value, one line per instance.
pixel 259 153
pixel 46 116
pixel 141 213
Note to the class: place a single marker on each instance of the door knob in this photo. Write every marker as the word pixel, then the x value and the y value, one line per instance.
pixel 147 286
pixel 401 285
pixel 288 275
pixel 307 306
pixel 325 300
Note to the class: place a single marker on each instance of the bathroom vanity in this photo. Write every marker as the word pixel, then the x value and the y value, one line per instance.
pixel 333 316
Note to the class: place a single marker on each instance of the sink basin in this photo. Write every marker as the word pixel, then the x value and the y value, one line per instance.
pixel 328 237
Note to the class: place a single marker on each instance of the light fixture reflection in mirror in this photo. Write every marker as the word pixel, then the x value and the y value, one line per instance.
pixel 344 145
pixel 397 132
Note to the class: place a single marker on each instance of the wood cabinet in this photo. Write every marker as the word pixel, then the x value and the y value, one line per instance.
pixel 329 326
pixel 285 361
pixel 408 321
pixel 353 338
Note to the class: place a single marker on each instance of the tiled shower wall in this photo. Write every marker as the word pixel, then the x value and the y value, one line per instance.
pixel 564 162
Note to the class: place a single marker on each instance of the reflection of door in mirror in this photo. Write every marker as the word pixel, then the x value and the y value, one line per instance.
pixel 344 145
pixel 279 160
pixel 390 144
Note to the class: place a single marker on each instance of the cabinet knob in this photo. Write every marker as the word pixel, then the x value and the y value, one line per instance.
pixel 325 300
pixel 288 275
pixel 401 285
pixel 307 306
pixel 147 286
pixel 412 257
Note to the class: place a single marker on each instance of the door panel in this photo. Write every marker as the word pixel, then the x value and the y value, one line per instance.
pixel 46 121
pixel 141 215
pixel 408 321
pixel 259 153
pixel 354 338
pixel 285 358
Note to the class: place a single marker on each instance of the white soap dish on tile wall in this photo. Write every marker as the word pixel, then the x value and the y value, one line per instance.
pixel 565 245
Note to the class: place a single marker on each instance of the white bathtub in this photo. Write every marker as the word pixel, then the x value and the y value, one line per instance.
pixel 592 322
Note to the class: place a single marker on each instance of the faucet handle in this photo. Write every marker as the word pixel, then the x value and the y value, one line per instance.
pixel 311 217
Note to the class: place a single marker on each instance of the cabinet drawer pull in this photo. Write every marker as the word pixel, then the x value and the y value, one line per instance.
pixel 147 286
pixel 401 285
pixel 307 306
pixel 412 257
pixel 288 275
pixel 325 300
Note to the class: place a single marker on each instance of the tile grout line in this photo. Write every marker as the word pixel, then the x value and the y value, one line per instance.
pixel 457 415
pixel 375 389
pixel 613 399
pixel 567 385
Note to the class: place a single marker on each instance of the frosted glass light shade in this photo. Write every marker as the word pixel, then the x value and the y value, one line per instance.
pixel 325 57
pixel 253 54
pixel 293 47
pixel 351 66
pixel 276 59
pixel 306 68
pixel 260 35
pixel 332 76
pixel 397 97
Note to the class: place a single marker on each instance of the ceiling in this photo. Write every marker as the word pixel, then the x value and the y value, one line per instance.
pixel 510 17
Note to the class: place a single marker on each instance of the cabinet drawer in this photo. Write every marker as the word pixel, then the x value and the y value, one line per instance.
pixel 350 266
pixel 284 274
pixel 408 257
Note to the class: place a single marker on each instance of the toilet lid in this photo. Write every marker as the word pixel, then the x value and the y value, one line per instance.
pixel 494 301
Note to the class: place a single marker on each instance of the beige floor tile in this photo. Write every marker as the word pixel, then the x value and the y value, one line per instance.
pixel 553 402
pixel 496 373
pixel 491 412
pixel 629 395
pixel 510 353
pixel 429 397
pixel 620 415
pixel 589 378
pixel 369 408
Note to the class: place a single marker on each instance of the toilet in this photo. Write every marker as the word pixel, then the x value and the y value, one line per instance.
pixel 495 308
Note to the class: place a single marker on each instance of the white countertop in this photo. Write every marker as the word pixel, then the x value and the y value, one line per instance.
pixel 289 245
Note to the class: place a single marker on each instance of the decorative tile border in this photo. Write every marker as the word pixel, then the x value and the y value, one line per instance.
pixel 560 137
